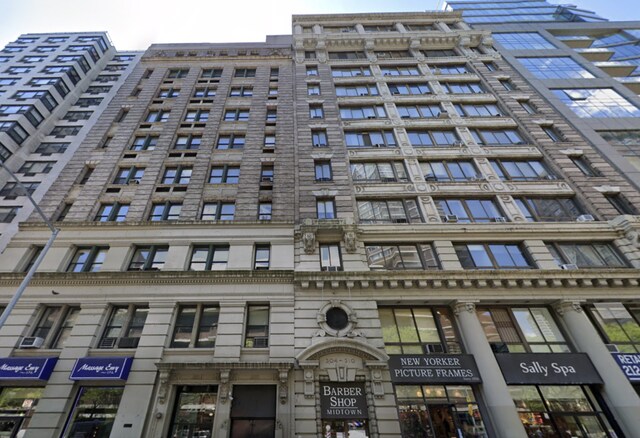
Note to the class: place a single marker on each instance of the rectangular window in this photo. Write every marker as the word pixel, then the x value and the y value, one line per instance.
pixel 267 174
pixel 178 73
pixel 241 91
pixel 618 324
pixel 357 90
pixel 218 211
pixel 409 89
pixel 496 137
pixel 313 89
pixel 272 115
pixel 31 168
pixel 167 93
pixel 205 92
pixel 265 211
pixel 75 116
pixel 100 404
pixel 88 259
pixel 350 72
pixel 158 116
pixel 316 111
pixel 370 139
pixel 596 102
pixel 469 210
pixel 13 190
pixel 560 67
pixel 245 73
pixel 449 69
pixel 224 175
pixel 196 116
pixel 522 330
pixel 586 255
pixel 8 213
pixel 492 256
pixel 312 70
pixel 210 73
pixel 165 211
pixel 52 148
pixel 330 259
pixel 462 87
pixel 478 110
pixel 522 41
pixel 392 257
pixel 399 71
pixel 419 111
pixel 418 330
pixel 148 258
pixel 196 327
pixel 129 175
pixel 326 208
pixel 5 153
pixel 262 256
pixel 549 209
pixel 257 329
pixel 188 142
pixel 455 171
pixel 319 138
pixel 393 54
pixel 145 143
pixel 364 112
pixel 124 328
pixel 323 170
pixel 209 258
pixel 617 201
pixel 54 325
pixel 531 170
pixel 17 132
pixel 397 211
pixel 177 175
pixel 238 115
pixel 433 138
pixel 230 141
pixel 112 212
pixel 386 172
pixel 347 55
pixel 447 53
pixel 585 166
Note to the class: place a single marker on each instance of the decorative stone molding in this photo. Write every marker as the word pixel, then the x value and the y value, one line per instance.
pixel 225 389
pixel 375 376
pixel 606 189
pixel 350 241
pixel 309 242
pixel 283 378
pixel 163 387
pixel 464 306
pixel 564 306
pixel 348 331
pixel 309 380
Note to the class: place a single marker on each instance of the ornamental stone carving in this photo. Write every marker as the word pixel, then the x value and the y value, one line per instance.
pixel 309 242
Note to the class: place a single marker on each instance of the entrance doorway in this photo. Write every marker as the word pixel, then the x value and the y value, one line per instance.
pixel 253 411
pixel 345 429
pixel 9 427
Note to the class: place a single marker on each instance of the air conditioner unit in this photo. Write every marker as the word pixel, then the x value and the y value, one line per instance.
pixel 331 268
pixel 585 218
pixel 371 117
pixel 317 145
pixel 316 116
pixel 267 179
pixel 107 343
pixel 133 182
pixel 128 342
pixel 458 143
pixel 430 178
pixel 260 342
pixel 613 348
pixel 434 348
pixel 32 342
pixel 400 220
pixel 451 218
pixel 443 115
pixel 500 219
pixel 569 266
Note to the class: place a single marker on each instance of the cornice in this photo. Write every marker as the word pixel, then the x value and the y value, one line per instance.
pixel 338 19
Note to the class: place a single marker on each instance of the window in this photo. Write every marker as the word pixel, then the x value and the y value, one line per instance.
pixel 309 54
pixel 350 72
pixel 4 153
pixel 85 175
pixel 269 143
pixel 177 175
pixel 196 327
pixel 326 208
pixel 66 207
pixel 398 211
pixel 31 113
pixel 379 172
pixel 450 171
pixel 507 84
pixel 555 67
pixel 10 81
pixel 439 53
pixel 323 171
pixel 549 209
pixel 528 107
pixel 112 212
pixel 144 143
pixel 627 143
pixel 312 70
pixel 31 168
pixel 88 259
pixel 356 90
pixel 257 331
pixel 196 116
pixel 393 54
pixel 531 170
pixel 409 89
pixel 449 69
pixel 316 111
pixel 204 92
pixel 148 258
pixel 262 254
pixel 330 257
pixel 211 73
pixel 241 115
pixel 522 329
pixel 274 72
pixel 596 102
pixel 55 324
pixel 98 403
pixel 34 253
pixel 392 257
pixel 583 163
pixel 241 91
pixel 348 55
pixel 15 131
pixel 618 324
pixel 129 175
pixel 491 66
pixel 370 139
pixel 34 59
pixel 496 137
pixel 167 93
pixel 188 142
pixel 399 71
pixel 75 116
pixel 618 201
pixel 273 92
pixel 52 148
pixel 209 257
pixel 245 73
pixel 492 256
pixel 13 49
pixel 419 111
pixel 13 190
pixel 231 141
pixel 313 89
pixel 56 39
pixel 462 87
pixel 178 73
pixel 418 330
pixel 158 116
pixel 266 174
pixel 319 138
pixel 478 110
pixel 469 210
pixel 124 327
pixel 165 211
pixel 224 175
pixel 218 211
pixel 364 112
pixel 522 40
pixel 87 102
pixel 586 255
pixel 265 211
pixel 18 70
pixel 44 96
pixel 8 213
pixel 432 138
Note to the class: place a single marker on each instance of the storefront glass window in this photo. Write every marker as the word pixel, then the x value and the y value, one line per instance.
pixel 194 412
pixel 17 405
pixel 94 412
pixel 619 325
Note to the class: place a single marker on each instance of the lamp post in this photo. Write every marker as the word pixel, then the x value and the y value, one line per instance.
pixel 27 278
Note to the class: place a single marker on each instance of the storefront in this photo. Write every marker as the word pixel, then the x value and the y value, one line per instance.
pixel 629 363
pixel 343 409
pixel 18 403
pixel 96 403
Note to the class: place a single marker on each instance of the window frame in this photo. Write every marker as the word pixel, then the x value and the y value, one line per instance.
pixel 148 264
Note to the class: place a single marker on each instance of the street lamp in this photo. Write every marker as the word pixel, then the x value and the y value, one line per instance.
pixel 32 270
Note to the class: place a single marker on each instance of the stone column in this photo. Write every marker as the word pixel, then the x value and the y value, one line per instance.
pixel 501 408
pixel 617 391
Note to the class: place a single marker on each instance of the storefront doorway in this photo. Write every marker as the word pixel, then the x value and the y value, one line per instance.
pixel 17 405
pixel 194 412
pixel 253 411
pixel 345 429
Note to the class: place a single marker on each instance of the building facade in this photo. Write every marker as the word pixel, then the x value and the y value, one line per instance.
pixel 53 87
pixel 373 227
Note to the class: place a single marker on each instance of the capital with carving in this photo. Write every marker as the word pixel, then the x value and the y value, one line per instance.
pixel 464 306
pixel 564 306
pixel 224 385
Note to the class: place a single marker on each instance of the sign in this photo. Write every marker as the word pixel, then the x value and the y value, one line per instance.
pixel 347 401
pixel 32 368
pixel 548 368
pixel 629 363
pixel 434 368
pixel 101 368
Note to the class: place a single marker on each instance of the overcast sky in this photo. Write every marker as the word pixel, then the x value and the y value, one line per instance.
pixel 135 24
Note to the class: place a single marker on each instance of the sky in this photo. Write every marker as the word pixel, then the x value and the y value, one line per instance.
pixel 135 24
